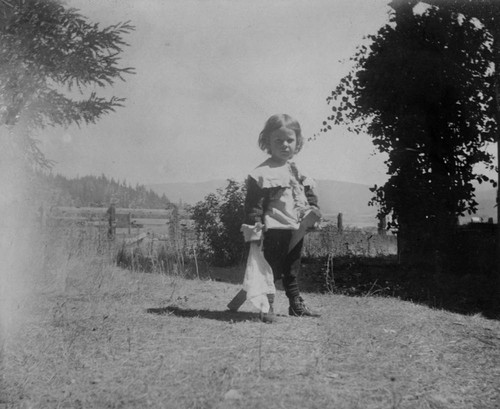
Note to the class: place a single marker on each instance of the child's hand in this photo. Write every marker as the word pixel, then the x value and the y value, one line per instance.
pixel 252 233
pixel 317 212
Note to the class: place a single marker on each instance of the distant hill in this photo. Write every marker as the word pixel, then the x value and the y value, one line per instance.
pixel 189 193
pixel 335 197
pixel 96 191
pixel 350 199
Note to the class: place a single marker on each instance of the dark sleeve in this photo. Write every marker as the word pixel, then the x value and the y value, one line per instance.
pixel 254 203
pixel 312 199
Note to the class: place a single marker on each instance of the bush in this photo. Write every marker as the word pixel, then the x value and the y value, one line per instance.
pixel 218 221
pixel 157 257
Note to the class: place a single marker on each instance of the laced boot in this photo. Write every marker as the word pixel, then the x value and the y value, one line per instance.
pixel 269 316
pixel 299 309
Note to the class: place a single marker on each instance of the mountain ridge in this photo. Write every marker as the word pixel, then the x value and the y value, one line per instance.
pixel 349 198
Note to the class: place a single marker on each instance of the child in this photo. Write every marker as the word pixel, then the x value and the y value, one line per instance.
pixel 278 199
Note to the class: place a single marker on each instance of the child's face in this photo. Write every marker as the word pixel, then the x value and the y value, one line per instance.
pixel 283 143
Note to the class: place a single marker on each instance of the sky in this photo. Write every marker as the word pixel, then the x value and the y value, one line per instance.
pixel 208 75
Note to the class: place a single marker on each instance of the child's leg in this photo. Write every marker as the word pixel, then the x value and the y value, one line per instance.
pixel 286 265
pixel 275 248
pixel 290 282
pixel 291 271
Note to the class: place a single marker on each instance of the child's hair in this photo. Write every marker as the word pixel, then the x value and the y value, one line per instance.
pixel 276 122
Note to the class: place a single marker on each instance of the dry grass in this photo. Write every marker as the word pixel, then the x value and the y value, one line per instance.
pixel 96 336
pixel 349 242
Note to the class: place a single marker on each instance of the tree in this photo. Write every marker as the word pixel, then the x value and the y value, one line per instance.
pixel 218 220
pixel 488 13
pixel 92 191
pixel 49 55
pixel 423 90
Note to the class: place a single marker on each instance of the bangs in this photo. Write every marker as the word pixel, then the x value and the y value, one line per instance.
pixel 276 122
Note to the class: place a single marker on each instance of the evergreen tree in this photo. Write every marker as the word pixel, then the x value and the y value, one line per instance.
pixel 100 191
pixel 49 55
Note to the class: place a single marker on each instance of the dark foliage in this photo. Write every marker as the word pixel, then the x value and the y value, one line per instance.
pixel 471 293
pixel 98 191
pixel 423 90
pixel 218 221
pixel 49 56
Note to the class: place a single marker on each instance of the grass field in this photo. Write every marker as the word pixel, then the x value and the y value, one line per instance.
pixel 79 332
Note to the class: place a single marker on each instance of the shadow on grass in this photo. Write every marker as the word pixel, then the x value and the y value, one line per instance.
pixel 383 276
pixel 228 316
pixel 467 294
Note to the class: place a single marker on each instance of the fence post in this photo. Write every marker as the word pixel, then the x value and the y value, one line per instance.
pixel 340 223
pixel 129 222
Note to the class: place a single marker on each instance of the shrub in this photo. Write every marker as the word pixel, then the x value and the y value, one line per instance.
pixel 218 221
